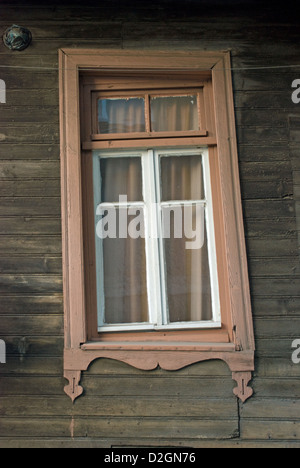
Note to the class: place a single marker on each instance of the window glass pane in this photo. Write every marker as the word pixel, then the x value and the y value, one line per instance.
pixel 174 113
pixel 125 285
pixel 121 176
pixel 182 178
pixel 188 276
pixel 121 115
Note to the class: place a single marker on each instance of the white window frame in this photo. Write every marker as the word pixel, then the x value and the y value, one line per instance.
pixel 155 261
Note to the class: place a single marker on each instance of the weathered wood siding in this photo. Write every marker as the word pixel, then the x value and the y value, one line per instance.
pixel 123 406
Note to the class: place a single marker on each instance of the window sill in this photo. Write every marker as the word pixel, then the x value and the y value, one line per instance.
pixel 204 325
pixel 169 356
pixel 158 346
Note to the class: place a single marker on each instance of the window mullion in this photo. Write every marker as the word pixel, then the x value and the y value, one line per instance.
pixel 161 252
pixel 151 238
pixel 147 113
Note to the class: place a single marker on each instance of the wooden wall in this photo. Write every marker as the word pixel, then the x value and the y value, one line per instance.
pixel 123 406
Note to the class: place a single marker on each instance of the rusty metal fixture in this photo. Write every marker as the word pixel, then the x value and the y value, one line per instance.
pixel 17 38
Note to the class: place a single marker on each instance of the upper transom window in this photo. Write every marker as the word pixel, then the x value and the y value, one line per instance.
pixel 144 114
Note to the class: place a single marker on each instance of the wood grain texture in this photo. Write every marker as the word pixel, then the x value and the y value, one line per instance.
pixel 185 407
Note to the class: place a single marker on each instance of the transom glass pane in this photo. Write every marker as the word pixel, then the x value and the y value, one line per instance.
pixel 121 115
pixel 174 113
pixel 182 178
pixel 121 176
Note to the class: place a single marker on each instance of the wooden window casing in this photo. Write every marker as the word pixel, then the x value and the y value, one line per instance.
pixel 84 76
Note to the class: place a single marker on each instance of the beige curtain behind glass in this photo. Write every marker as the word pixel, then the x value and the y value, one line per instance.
pixel 125 286
pixel 121 115
pixel 188 276
pixel 168 114
pixel 124 259
pixel 174 113
pixel 121 176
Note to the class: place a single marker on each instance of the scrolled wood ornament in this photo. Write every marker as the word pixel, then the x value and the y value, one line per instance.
pixel 242 391
pixel 73 389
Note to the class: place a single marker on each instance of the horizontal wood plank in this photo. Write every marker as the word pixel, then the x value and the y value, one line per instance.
pixel 173 386
pixel 30 245
pixel 30 188
pixel 30 284
pixel 22 226
pixel 39 133
pixel 13 170
pixel 282 306
pixel 149 428
pixel 37 325
pixel 31 265
pixel 35 427
pixel 31 304
pixel 19 206
pixel 213 409
pixel 22 151
pixel 164 428
pixel 274 430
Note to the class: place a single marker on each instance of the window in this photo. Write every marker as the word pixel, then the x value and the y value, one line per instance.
pixel 147 114
pixel 155 269
pixel 155 248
